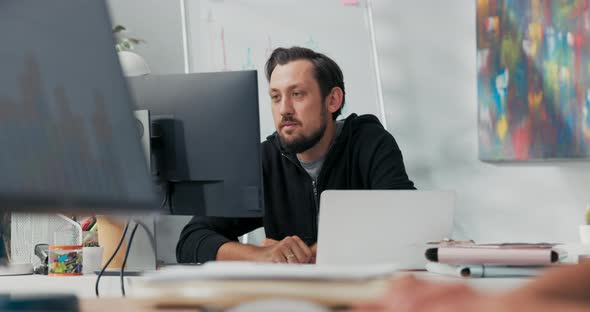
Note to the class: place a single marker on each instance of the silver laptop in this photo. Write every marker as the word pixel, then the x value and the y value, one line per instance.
pixel 382 226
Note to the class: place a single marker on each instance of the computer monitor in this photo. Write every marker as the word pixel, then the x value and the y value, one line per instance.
pixel 208 151
pixel 67 134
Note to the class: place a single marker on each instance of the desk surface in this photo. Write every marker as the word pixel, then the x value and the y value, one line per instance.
pixel 83 286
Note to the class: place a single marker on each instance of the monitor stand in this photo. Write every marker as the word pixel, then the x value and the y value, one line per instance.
pixel 7 268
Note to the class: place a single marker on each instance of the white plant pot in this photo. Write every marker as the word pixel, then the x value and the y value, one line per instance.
pixel 585 234
pixel 133 64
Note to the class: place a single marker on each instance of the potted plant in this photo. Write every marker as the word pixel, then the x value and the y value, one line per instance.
pixel 585 228
pixel 132 63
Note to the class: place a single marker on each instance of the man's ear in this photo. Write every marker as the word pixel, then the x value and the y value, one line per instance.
pixel 334 100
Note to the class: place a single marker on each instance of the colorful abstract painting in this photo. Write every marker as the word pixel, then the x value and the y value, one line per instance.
pixel 533 79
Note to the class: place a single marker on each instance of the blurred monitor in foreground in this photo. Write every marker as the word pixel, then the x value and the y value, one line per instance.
pixel 68 136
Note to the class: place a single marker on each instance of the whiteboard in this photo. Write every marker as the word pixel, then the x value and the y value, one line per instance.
pixel 230 35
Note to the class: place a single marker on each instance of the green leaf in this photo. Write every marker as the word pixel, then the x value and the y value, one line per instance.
pixel 135 41
pixel 124 43
pixel 118 29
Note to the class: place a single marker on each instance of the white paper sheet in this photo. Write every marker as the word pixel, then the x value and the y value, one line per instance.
pixel 237 270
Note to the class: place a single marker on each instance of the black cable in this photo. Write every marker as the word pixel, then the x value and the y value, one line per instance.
pixel 168 199
pixel 111 259
pixel 163 204
pixel 122 272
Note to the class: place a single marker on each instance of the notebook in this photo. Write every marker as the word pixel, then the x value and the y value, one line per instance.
pixel 495 254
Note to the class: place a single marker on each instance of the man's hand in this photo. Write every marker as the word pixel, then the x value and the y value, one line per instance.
pixel 268 242
pixel 314 249
pixel 289 250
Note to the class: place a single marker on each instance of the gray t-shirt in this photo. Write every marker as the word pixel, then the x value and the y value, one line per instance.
pixel 313 168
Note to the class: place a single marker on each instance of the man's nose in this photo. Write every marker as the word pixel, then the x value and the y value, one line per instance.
pixel 286 107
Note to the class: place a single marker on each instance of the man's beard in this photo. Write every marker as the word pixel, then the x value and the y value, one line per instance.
pixel 303 143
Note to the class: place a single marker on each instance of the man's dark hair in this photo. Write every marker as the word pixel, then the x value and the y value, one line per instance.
pixel 327 72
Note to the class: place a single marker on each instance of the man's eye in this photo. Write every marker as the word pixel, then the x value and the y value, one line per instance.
pixel 274 97
pixel 297 94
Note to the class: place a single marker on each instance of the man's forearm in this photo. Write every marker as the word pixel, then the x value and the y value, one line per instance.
pixel 238 251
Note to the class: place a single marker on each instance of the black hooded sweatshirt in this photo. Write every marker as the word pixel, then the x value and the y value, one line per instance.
pixel 363 156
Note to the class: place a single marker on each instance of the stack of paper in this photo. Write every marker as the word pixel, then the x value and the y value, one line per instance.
pixel 224 284
pixel 239 270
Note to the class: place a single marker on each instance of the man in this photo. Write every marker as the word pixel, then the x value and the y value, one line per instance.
pixel 560 289
pixel 309 152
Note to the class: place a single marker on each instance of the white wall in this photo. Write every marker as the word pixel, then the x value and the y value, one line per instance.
pixel 157 22
pixel 428 65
